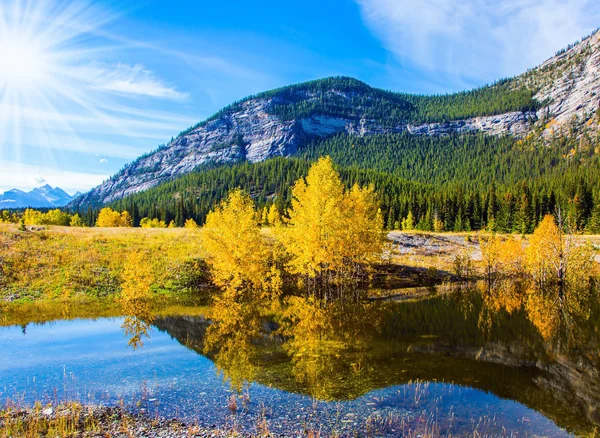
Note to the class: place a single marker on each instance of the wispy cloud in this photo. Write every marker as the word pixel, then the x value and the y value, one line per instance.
pixel 127 79
pixel 478 39
pixel 103 160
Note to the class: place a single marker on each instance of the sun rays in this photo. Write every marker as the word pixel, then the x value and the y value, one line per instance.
pixel 67 83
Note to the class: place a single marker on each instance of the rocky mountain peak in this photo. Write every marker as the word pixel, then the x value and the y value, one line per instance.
pixel 545 100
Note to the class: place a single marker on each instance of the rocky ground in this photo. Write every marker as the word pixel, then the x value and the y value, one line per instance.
pixel 74 420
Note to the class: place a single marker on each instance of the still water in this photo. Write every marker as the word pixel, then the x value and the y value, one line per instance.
pixel 441 365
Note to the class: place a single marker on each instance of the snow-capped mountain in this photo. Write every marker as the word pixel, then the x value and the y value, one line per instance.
pixel 41 197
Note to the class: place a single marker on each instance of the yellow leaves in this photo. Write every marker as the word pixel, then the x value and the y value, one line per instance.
pixel 137 279
pixel 273 217
pixel 408 223
pixel 109 218
pixel 238 255
pixel 329 229
pixel 544 256
pixel 137 276
pixel 560 270
pixel 52 217
pixel 190 224
pixel 152 223
pixel 501 256
pixel 76 221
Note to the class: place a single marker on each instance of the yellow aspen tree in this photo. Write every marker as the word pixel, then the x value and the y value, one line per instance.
pixel 32 217
pixel 126 220
pixel 191 224
pixel 76 221
pixel 109 218
pixel 490 256
pixel 236 251
pixel 545 256
pixel 273 217
pixel 265 217
pixel 152 223
pixel 331 233
pixel 314 232
pixel 408 223
pixel 560 271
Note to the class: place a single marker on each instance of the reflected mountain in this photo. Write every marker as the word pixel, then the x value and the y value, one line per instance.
pixel 342 352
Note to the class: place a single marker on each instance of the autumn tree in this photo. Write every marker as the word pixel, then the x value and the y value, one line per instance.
pixel 332 235
pixel 560 269
pixel 237 253
pixel 76 221
pixel 408 223
pixel 500 257
pixel 190 224
pixel 137 279
pixel 152 223
pixel 109 218
pixel 32 217
pixel 242 265
pixel 273 217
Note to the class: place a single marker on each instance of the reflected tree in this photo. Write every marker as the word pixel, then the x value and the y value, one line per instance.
pixel 562 289
pixel 137 278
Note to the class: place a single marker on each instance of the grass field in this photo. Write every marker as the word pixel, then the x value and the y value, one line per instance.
pixel 65 263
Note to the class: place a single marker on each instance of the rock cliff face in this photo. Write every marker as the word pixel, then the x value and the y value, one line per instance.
pixel 568 87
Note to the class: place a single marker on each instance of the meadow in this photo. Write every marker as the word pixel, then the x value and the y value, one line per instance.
pixel 63 263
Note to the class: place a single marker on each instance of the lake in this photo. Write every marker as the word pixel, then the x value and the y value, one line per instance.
pixel 441 364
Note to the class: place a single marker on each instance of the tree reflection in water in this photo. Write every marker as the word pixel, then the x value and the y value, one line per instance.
pixel 137 278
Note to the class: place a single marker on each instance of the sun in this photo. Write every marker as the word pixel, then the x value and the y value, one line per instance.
pixel 24 63
pixel 45 46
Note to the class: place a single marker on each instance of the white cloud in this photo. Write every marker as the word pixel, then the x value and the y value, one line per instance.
pixel 103 160
pixel 127 79
pixel 26 177
pixel 479 39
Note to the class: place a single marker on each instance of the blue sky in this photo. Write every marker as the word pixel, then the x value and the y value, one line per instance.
pixel 87 86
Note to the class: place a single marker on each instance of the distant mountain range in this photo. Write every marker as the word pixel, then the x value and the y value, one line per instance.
pixel 41 197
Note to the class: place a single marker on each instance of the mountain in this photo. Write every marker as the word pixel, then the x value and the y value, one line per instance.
pixel 41 197
pixel 555 99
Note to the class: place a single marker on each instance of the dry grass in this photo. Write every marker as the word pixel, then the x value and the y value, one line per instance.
pixel 63 262
pixel 437 251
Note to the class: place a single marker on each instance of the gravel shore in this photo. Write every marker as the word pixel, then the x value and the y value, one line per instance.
pixel 74 420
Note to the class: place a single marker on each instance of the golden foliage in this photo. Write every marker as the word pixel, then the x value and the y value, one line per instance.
pixel 52 217
pixel 560 270
pixel 273 217
pixel 237 253
pixel 500 257
pixel 108 218
pixel 137 280
pixel 190 224
pixel 545 255
pixel 76 221
pixel 152 223
pixel 331 234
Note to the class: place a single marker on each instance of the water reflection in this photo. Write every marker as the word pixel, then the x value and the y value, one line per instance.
pixel 462 340
pixel 505 339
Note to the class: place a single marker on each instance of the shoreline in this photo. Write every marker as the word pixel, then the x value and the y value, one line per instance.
pixel 77 420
